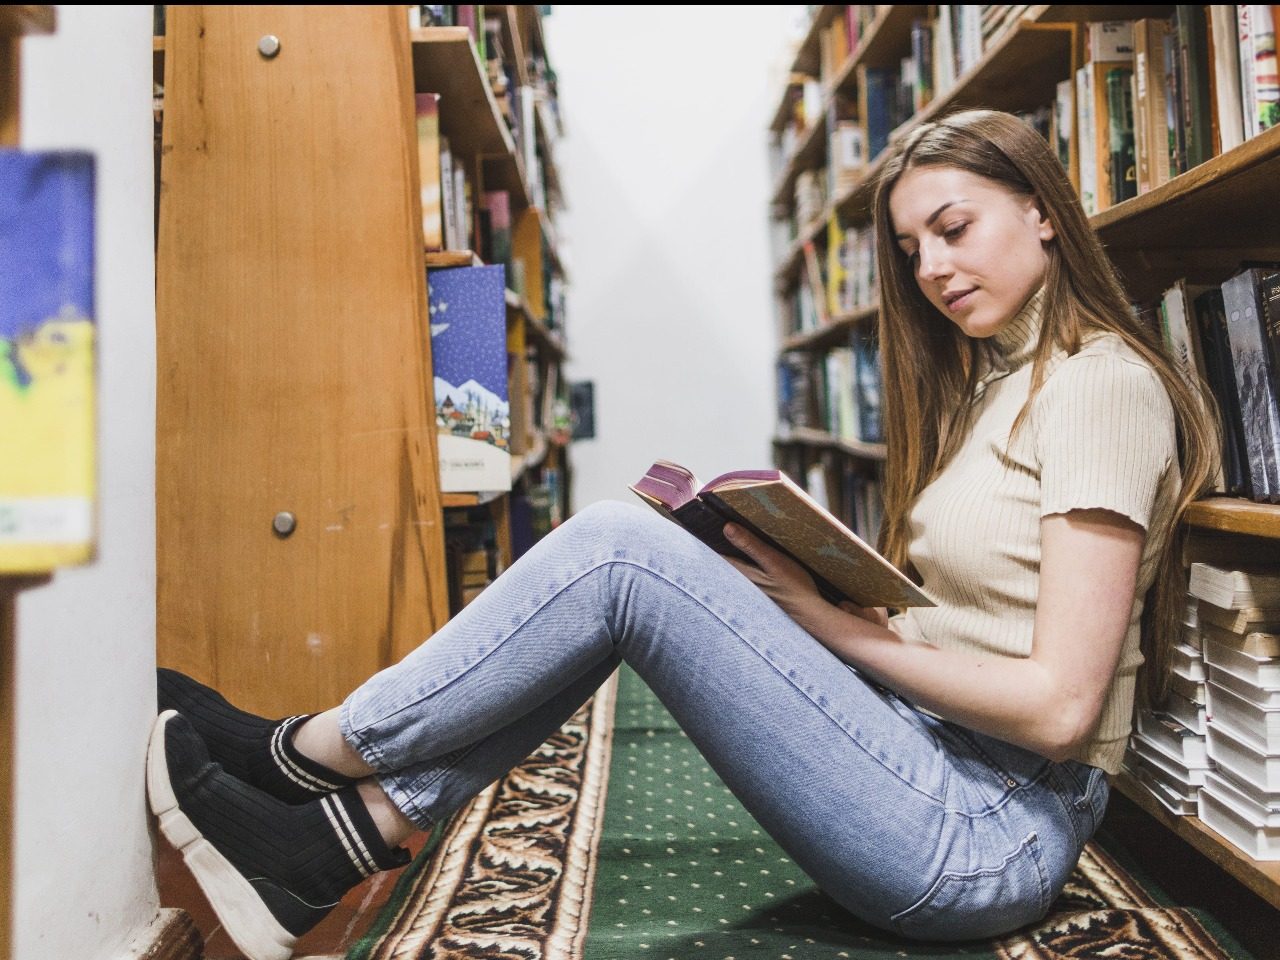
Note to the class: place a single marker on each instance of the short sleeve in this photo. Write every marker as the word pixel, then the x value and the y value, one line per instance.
pixel 1104 436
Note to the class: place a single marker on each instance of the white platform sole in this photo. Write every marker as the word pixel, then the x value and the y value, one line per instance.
pixel 243 914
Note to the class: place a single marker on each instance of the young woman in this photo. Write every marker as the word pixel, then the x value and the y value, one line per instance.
pixel 1042 448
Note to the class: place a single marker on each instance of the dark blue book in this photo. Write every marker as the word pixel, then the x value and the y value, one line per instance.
pixel 468 310
pixel 47 360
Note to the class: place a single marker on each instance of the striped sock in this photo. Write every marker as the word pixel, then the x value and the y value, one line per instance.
pixel 254 749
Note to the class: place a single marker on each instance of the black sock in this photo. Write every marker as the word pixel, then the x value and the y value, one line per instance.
pixel 254 749
pixel 299 860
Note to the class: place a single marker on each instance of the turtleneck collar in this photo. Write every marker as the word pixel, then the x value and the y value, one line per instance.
pixel 1014 344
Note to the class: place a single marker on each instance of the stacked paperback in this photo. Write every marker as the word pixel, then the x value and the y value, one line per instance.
pixel 1237 766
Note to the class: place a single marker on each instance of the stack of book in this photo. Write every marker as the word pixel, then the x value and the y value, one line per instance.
pixel 1168 751
pixel 1240 625
pixel 473 560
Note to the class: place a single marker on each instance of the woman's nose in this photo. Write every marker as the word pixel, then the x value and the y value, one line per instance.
pixel 933 263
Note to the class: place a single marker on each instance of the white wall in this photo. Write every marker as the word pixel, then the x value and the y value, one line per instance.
pixel 666 174
pixel 86 643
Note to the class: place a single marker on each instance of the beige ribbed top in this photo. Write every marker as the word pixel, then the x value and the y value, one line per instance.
pixel 1100 434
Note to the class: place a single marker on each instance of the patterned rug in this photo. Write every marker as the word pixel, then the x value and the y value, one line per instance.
pixel 535 868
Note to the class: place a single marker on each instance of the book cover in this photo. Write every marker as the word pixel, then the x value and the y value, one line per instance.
pixel 427 107
pixel 48 459
pixel 1266 76
pixel 1193 64
pixel 776 509
pixel 1211 322
pixel 469 361
pixel 1120 150
pixel 1259 407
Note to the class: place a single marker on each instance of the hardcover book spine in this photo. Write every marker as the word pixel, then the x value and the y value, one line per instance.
pixel 1258 404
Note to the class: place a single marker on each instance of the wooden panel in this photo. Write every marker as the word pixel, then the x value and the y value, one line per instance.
pixel 1236 516
pixel 17 19
pixel 293 357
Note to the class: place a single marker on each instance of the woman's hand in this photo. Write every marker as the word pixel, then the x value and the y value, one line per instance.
pixel 783 580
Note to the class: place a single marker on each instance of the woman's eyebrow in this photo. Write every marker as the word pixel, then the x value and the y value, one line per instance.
pixel 929 221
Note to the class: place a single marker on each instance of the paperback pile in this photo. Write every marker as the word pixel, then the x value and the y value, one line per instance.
pixel 1168 752
pixel 1239 623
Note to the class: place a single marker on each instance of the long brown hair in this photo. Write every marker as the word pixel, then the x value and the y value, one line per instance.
pixel 931 367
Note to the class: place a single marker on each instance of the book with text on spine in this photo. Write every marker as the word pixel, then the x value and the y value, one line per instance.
pixel 772 506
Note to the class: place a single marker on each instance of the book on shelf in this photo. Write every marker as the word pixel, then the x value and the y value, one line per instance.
pixel 1235 589
pixel 1186 660
pixel 1262 671
pixel 1172 737
pixel 1237 815
pixel 1257 725
pixel 1255 643
pixel 1211 329
pixel 469 361
pixel 1151 127
pixel 775 508
pixel 1190 714
pixel 1231 752
pixel 48 442
pixel 1266 697
pixel 1243 620
pixel 1185 686
pixel 427 106
pixel 1174 768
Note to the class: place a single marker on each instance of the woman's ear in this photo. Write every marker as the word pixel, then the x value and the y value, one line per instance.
pixel 1043 226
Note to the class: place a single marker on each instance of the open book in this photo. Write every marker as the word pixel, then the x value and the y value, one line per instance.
pixel 778 511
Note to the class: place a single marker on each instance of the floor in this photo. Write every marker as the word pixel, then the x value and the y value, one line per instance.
pixel 1188 877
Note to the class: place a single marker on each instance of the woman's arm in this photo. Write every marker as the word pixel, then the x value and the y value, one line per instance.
pixel 1049 702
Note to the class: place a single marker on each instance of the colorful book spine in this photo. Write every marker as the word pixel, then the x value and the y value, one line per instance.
pixel 48 459
pixel 427 106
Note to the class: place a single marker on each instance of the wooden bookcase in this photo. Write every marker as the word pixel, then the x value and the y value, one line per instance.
pixel 1200 224
pixel 294 354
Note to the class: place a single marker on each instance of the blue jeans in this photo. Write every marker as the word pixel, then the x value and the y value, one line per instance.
pixel 914 824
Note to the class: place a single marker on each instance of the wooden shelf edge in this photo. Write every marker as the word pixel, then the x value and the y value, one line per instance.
pixel 786 182
pixel 1234 515
pixel 443 259
pixel 1259 149
pixel 1260 876
pixel 842 324
pixel 808 436
pixel 17 20
pixel 460 500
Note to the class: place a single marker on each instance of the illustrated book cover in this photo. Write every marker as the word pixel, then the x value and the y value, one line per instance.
pixel 778 510
pixel 469 361
pixel 47 360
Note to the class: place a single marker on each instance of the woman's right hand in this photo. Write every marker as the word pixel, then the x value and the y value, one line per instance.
pixel 877 615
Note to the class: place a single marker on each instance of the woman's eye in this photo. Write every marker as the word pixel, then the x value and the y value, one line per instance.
pixel 953 233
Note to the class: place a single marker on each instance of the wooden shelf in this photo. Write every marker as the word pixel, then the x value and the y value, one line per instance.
pixel 1227 515
pixel 1260 876
pixel 17 20
pixel 888 38
pixel 1194 225
pixel 810 437
pixel 445 61
pixel 1068 13
pixel 810 153
pixel 808 59
pixel 443 259
pixel 834 332
pixel 1020 71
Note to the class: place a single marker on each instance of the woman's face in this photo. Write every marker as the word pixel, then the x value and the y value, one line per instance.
pixel 977 248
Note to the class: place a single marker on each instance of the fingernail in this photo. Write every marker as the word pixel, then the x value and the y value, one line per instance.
pixel 730 531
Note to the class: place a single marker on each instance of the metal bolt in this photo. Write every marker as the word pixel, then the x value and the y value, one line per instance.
pixel 284 523
pixel 269 46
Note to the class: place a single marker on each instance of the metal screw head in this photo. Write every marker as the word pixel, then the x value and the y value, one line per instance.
pixel 284 523
pixel 269 46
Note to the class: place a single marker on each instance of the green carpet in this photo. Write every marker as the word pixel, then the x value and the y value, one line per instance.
pixel 615 841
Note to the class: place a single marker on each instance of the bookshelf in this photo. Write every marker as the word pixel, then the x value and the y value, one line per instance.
pixel 1200 224
pixel 294 349
pixel 16 21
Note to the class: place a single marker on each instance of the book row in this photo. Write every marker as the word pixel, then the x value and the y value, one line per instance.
pixel 1228 336
pixel 1214 747
pixel 836 391
pixel 850 490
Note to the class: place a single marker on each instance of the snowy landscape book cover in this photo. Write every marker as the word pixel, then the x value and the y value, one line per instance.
pixel 468 310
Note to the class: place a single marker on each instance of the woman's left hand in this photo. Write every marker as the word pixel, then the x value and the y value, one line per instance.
pixel 782 579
